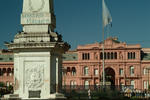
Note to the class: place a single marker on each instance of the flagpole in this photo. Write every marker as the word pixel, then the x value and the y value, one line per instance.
pixel 103 59
pixel 106 20
pixel 103 47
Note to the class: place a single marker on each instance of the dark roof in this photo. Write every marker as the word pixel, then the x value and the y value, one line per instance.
pixel 116 41
pixel 70 57
pixel 6 58
pixel 145 56
pixel 66 57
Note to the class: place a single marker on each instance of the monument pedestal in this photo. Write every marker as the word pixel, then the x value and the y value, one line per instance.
pixel 55 96
pixel 38 71
pixel 11 97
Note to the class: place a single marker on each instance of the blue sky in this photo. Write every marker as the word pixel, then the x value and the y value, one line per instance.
pixel 80 21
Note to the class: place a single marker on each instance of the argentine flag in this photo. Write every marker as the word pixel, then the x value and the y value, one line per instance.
pixel 106 17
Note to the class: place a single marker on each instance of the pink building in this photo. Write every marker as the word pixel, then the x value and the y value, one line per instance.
pixel 125 64
pixel 6 67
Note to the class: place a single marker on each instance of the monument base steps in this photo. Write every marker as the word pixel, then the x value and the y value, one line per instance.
pixel 56 96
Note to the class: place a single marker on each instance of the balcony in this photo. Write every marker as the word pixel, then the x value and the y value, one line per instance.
pixel 133 76
pixel 89 76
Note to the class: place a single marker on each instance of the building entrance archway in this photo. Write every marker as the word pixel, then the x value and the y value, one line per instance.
pixel 110 76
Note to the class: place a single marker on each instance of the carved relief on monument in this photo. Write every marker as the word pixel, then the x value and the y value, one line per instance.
pixel 34 76
pixel 38 7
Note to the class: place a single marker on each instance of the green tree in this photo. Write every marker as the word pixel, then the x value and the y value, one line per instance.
pixel 2 84
pixel 10 88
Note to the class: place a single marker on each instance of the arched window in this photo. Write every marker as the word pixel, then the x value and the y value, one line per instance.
pixel 68 70
pixel 4 72
pixel 86 69
pixel 9 72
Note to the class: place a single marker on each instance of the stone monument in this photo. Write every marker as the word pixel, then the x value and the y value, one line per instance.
pixel 38 53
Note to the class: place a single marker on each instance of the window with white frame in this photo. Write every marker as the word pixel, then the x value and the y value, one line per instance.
pixel 95 72
pixel 132 83
pixel 86 84
pixel 86 69
pixel 73 84
pixel 121 72
pixel 145 71
pixel 145 84
pixel 131 70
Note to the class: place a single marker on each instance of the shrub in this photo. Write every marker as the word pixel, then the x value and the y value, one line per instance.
pixel 2 84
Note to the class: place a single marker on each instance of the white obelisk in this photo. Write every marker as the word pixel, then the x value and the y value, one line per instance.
pixel 38 53
pixel 38 16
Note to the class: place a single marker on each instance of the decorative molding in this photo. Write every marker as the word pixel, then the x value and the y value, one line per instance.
pixel 38 55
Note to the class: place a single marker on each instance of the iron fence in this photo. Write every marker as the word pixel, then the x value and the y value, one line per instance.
pixel 97 92
pixel 96 87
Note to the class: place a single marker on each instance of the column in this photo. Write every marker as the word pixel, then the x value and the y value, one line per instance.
pixel 57 79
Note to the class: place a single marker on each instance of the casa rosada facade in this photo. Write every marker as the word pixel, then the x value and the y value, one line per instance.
pixel 125 64
pixel 6 67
